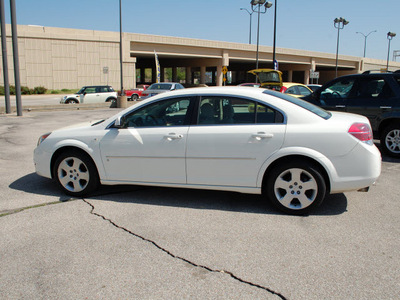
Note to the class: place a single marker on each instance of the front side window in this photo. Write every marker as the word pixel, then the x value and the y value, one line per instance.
pixel 230 110
pixel 90 90
pixel 170 112
pixel 338 90
pixel 303 91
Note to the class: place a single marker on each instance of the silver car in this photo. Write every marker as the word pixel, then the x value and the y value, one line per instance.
pixel 162 87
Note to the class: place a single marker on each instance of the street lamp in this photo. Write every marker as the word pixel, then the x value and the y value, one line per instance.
pixel 256 7
pixel 365 39
pixel 120 50
pixel 275 62
pixel 250 13
pixel 390 36
pixel 339 24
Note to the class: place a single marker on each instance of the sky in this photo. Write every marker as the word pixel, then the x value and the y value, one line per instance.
pixel 305 25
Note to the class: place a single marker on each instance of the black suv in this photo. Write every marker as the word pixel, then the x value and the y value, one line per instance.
pixel 374 95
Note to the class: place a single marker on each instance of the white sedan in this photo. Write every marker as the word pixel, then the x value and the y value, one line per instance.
pixel 223 138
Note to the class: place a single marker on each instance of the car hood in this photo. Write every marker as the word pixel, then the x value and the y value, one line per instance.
pixel 81 125
pixel 72 95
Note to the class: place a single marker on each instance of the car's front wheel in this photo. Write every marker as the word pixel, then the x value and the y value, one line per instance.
pixel 390 140
pixel 75 173
pixel 295 187
pixel 72 101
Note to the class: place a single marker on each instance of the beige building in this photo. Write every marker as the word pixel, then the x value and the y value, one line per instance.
pixel 58 58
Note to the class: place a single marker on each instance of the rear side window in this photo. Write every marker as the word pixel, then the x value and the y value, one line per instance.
pixel 103 89
pixel 230 110
pixel 368 88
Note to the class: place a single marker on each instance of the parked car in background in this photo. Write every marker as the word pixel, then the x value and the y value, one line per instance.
pixel 135 94
pixel 219 138
pixel 295 89
pixel 374 95
pixel 314 87
pixel 91 94
pixel 272 79
pixel 269 78
pixel 162 87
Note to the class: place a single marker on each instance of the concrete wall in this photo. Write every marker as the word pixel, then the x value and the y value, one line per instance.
pixel 59 58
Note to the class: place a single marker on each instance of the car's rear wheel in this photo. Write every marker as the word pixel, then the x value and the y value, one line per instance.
pixel 75 173
pixel 295 187
pixel 134 97
pixel 390 140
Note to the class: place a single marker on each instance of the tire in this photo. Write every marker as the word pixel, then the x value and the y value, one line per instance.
pixel 390 140
pixel 134 97
pixel 111 100
pixel 76 174
pixel 295 187
pixel 72 101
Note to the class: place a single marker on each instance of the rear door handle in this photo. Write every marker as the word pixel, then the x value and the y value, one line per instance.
pixel 262 135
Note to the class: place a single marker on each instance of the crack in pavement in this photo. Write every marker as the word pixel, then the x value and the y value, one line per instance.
pixel 182 258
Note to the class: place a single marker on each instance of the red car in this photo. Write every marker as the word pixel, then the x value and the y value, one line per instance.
pixel 135 94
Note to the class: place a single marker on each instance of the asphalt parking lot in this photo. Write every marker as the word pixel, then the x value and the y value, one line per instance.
pixel 159 243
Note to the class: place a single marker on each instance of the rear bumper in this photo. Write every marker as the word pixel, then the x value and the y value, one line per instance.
pixel 357 170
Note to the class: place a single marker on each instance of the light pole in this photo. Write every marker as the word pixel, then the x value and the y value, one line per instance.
pixel 256 7
pixel 250 13
pixel 120 50
pixel 365 39
pixel 274 61
pixel 339 24
pixel 390 36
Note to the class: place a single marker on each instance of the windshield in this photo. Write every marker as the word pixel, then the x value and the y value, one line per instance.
pixel 304 104
pixel 81 90
pixel 160 86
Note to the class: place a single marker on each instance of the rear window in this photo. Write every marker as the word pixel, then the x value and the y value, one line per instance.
pixel 303 104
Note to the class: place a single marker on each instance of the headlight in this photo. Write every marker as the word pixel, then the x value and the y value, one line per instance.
pixel 42 138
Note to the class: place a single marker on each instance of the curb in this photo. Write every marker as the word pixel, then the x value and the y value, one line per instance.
pixel 61 107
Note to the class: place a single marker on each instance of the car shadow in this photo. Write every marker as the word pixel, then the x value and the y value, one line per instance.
pixel 177 197
pixel 386 158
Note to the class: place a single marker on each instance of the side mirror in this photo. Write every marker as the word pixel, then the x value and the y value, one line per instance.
pixel 119 122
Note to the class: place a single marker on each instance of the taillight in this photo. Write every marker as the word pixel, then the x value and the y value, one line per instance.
pixel 283 89
pixel 361 131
